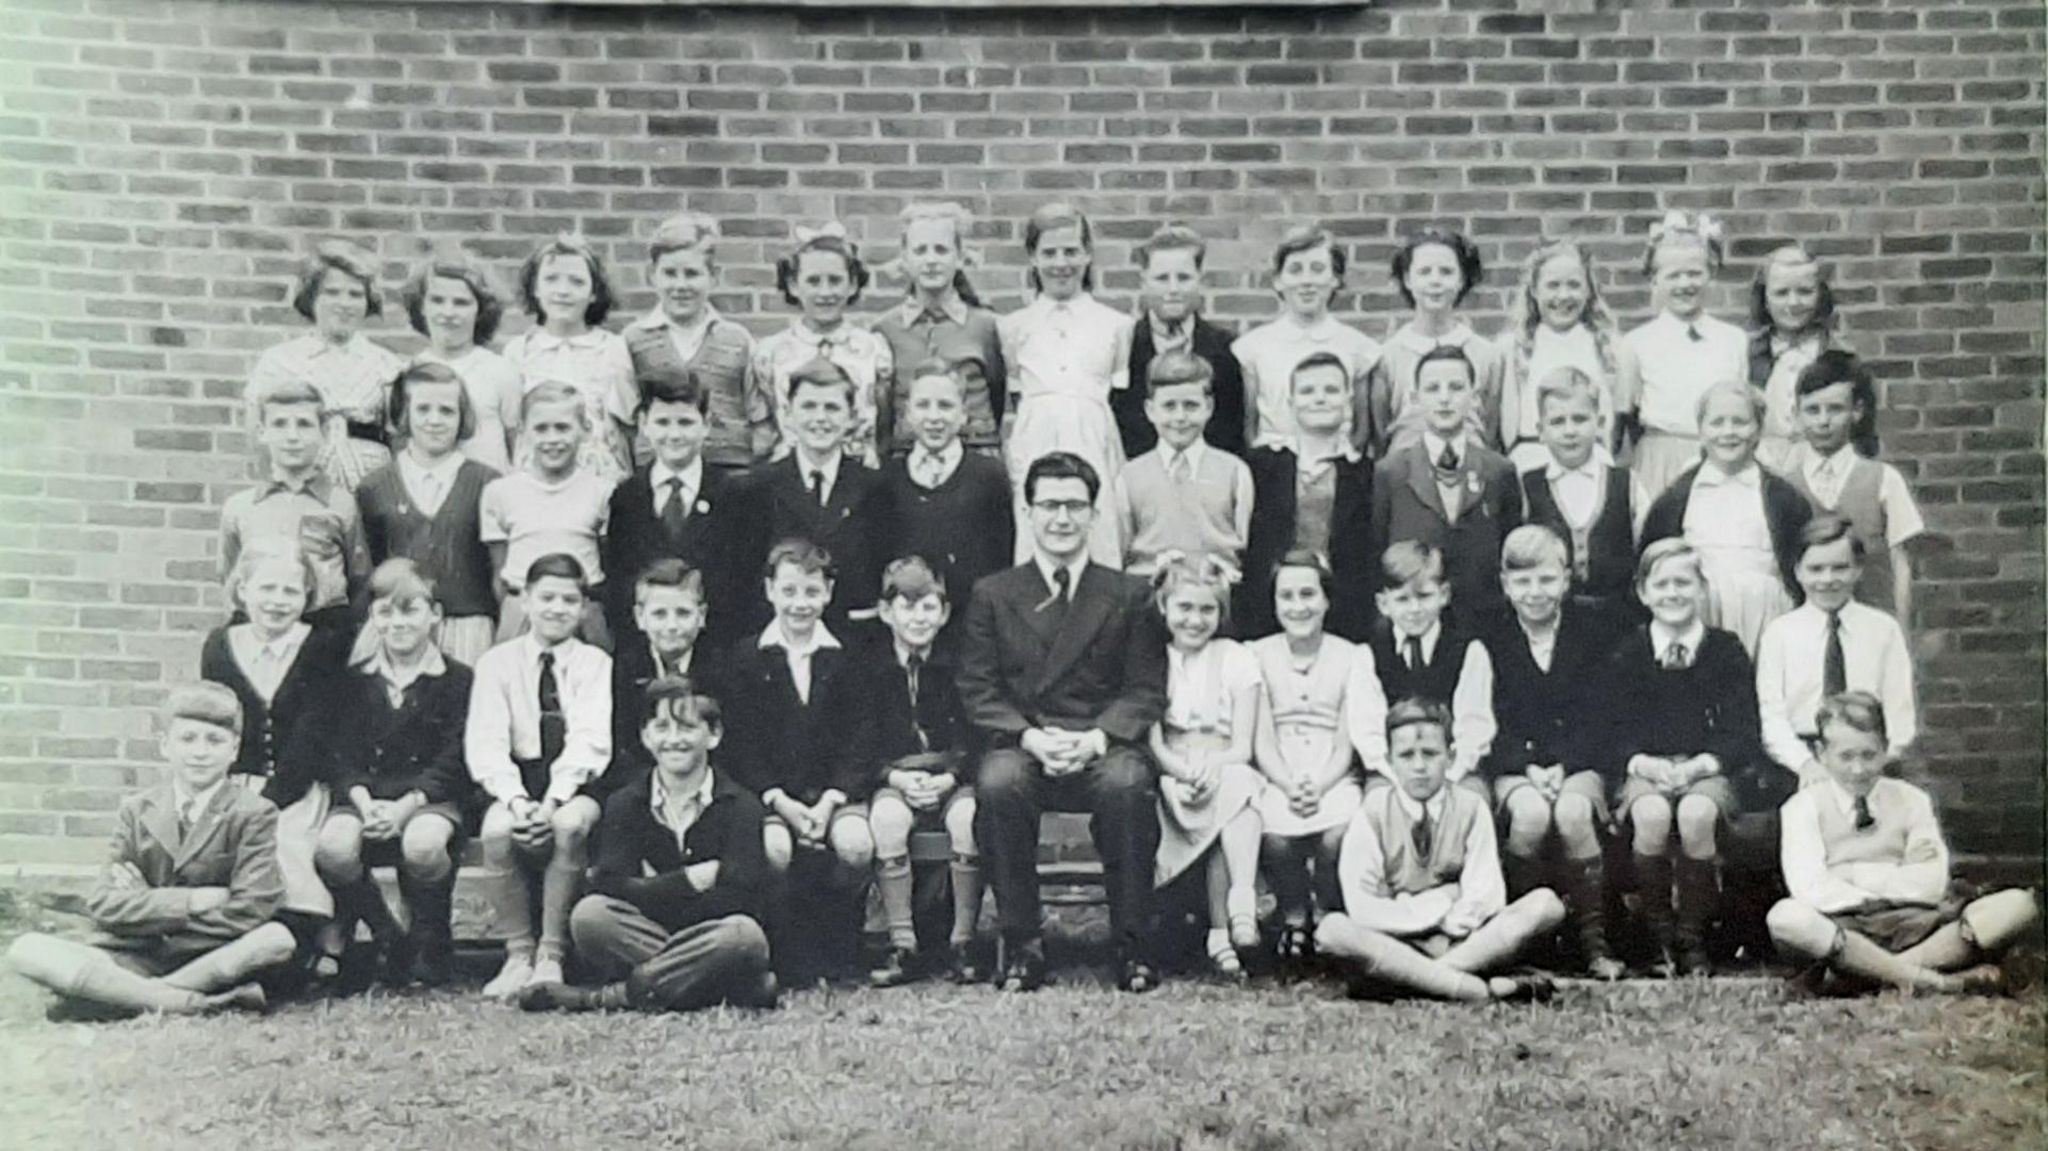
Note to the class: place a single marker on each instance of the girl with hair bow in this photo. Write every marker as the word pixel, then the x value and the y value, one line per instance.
pixel 1682 353
pixel 822 276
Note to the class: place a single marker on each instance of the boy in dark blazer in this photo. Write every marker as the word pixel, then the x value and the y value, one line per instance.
pixel 1170 320
pixel 1063 674
pixel 820 494
pixel 184 909
pixel 1448 492
pixel 917 745
pixel 1314 494
pixel 676 507
pixel 674 923
pixel 400 785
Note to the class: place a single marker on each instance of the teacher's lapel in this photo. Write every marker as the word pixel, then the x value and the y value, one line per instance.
pixel 1093 601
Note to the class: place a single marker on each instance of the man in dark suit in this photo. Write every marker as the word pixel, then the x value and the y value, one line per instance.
pixel 1063 672
pixel 675 508
pixel 1170 320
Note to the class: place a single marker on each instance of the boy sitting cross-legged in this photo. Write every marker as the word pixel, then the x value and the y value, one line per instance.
pixel 1868 872
pixel 917 743
pixel 184 910
pixel 680 878
pixel 1425 908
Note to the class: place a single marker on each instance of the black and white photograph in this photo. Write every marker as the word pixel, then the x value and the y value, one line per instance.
pixel 1152 575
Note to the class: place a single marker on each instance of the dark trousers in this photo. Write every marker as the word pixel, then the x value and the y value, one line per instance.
pixel 1119 792
pixel 701 965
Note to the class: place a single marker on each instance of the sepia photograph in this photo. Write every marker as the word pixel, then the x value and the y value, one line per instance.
pixel 1143 575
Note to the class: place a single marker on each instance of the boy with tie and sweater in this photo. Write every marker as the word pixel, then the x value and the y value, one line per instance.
pixel 1170 320
pixel 1868 872
pixel 1593 506
pixel 681 884
pixel 538 733
pixel 1541 765
pixel 1828 645
pixel 1415 653
pixel 1182 497
pixel 1445 491
pixel 917 744
pixel 677 506
pixel 184 910
pixel 684 335
pixel 1425 908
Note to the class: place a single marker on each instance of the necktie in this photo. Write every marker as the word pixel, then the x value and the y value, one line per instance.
pixel 1835 668
pixel 1676 658
pixel 554 727
pixel 1182 470
pixel 1448 461
pixel 1864 820
pixel 1424 837
pixel 928 468
pixel 185 820
pixel 817 479
pixel 1692 332
pixel 1062 584
pixel 1411 650
pixel 912 669
pixel 676 510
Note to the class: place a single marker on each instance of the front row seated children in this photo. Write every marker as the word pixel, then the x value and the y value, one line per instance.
pixel 1303 748
pixel 669 611
pixel 795 717
pixel 1416 653
pixel 1444 489
pixel 680 881
pixel 1868 872
pixel 1208 790
pixel 399 715
pixel 183 913
pixel 1542 765
pixel 1828 645
pixel 1684 737
pixel 1182 497
pixel 539 732
pixel 553 506
pixel 1593 505
pixel 916 742
pixel 1425 908
pixel 1313 494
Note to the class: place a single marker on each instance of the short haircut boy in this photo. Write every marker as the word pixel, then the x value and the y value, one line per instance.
pixel 938 368
pixel 1413 712
pixel 807 557
pixel 1827 528
pixel 1408 561
pixel 553 392
pixel 684 232
pixel 1316 360
pixel 289 392
pixel 681 695
pixel 823 373
pixel 1447 354
pixel 1856 710
pixel 910 579
pixel 672 384
pixel 1565 381
pixel 1532 546
pixel 1172 236
pixel 401 581
pixel 558 565
pixel 669 572
pixel 204 702
pixel 1176 368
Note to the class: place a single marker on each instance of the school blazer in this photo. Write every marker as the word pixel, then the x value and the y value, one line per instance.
pixel 232 844
pixel 1100 663
pixel 849 526
pixel 1407 506
pixel 635 539
pixel 1226 424
pixel 891 727
pixel 1786 511
pixel 416 746
pixel 1351 557
pixel 774 739
pixel 638 860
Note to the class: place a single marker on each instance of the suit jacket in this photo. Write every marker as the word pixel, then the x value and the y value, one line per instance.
pixel 232 844
pixel 414 746
pixel 1408 506
pixel 893 727
pixel 1786 510
pixel 638 859
pixel 635 539
pixel 1226 423
pixel 774 739
pixel 1100 663
pixel 780 507
pixel 1272 535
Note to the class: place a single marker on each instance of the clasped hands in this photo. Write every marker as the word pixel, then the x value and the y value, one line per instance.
pixel 533 823
pixel 384 818
pixel 1064 752
pixel 1548 781
pixel 808 823
pixel 1672 775
pixel 923 790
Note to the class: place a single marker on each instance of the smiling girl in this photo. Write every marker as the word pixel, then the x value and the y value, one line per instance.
pixel 1308 272
pixel 1681 353
pixel 1792 310
pixel 451 303
pixel 564 287
pixel 1560 321
pixel 1434 271
pixel 823 276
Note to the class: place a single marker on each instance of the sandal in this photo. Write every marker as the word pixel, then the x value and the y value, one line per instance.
pixel 1223 958
pixel 1244 932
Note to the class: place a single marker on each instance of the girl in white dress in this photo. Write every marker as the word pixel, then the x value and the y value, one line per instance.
pixel 452 303
pixel 1207 788
pixel 1066 352
pixel 565 288
pixel 337 292
pixel 1311 788
pixel 1681 353
pixel 1560 321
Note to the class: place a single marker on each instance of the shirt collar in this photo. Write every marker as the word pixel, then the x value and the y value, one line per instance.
pixel 1342 449
pixel 1661 637
pixel 817 339
pixel 314 483
pixel 1411 337
pixel 433 664
pixel 1711 475
pixel 1075 568
pixel 821 638
pixel 903 654
pixel 952 307
pixel 1837 461
pixel 197 801
pixel 284 645
pixel 1427 638
pixel 659 318
pixel 657 793
pixel 805 467
pixel 534 648
pixel 1435 444
pixel 1591 469
pixel 1159 329
pixel 1434 805
pixel 1194 454
pixel 661 666
pixel 948 456
pixel 543 340
pixel 692 475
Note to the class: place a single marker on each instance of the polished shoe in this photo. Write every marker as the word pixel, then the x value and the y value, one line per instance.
pixel 1139 977
pixel 897 968
pixel 563 997
pixel 764 994
pixel 960 961
pixel 1024 967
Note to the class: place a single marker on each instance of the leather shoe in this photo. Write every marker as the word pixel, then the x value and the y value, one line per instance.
pixel 1024 967
pixel 1139 976
pixel 899 968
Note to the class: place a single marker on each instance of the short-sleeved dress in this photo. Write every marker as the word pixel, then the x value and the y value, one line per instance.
pixel 1306 705
pixel 600 368
pixel 354 379
pixel 1065 357
pixel 1201 691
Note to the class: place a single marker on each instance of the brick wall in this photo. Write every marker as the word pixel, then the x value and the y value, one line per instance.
pixel 161 164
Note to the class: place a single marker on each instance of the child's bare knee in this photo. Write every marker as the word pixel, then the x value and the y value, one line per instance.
pixel 960 827
pixel 1698 816
pixel 889 822
pixel 852 843
pixel 339 852
pixel 1651 815
pixel 273 943
pixel 1799 929
pixel 779 847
